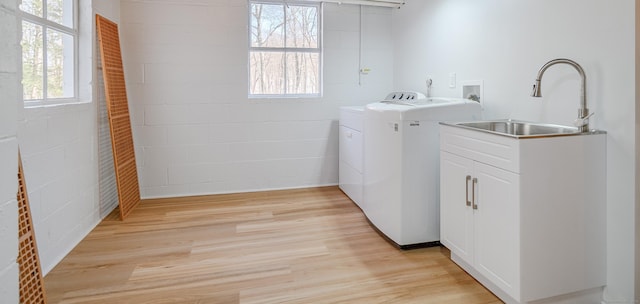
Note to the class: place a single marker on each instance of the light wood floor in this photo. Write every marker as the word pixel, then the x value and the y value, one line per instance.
pixel 295 246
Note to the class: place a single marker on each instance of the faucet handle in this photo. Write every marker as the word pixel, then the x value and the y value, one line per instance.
pixel 580 122
pixel 536 90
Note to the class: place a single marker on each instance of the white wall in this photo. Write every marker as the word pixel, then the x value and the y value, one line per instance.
pixel 637 189
pixel 504 43
pixel 9 100
pixel 58 146
pixel 195 130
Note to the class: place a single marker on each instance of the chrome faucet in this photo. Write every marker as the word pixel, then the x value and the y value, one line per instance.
pixel 582 121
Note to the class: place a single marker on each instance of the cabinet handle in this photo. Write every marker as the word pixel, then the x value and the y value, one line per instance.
pixel 473 193
pixel 466 191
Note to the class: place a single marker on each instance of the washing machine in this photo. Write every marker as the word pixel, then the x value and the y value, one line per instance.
pixel 401 164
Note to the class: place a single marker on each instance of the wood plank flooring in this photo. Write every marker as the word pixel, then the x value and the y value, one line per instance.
pixel 295 246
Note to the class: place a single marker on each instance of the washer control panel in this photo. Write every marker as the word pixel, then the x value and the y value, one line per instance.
pixel 404 97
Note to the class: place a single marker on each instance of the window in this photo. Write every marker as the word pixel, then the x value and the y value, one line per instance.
pixel 49 44
pixel 284 51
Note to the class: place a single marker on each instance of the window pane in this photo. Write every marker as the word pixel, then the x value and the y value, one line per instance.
pixel 266 73
pixel 60 60
pixel 302 26
pixel 267 25
pixel 33 7
pixel 32 61
pixel 60 11
pixel 303 73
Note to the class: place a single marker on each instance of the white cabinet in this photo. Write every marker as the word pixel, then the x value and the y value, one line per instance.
pixel 496 230
pixel 479 218
pixel 456 216
pixel 525 217
pixel 351 152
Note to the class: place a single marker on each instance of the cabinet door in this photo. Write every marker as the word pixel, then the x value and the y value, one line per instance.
pixel 456 216
pixel 350 165
pixel 350 147
pixel 496 227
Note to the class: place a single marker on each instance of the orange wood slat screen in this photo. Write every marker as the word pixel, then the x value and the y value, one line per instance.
pixel 118 112
pixel 31 283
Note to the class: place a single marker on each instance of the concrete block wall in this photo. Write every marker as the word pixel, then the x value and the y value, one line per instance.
pixel 196 131
pixel 9 105
pixel 59 155
pixel 59 149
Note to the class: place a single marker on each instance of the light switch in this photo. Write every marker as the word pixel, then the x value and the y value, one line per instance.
pixel 452 80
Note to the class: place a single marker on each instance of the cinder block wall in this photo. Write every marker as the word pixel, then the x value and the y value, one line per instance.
pixel 59 149
pixel 195 129
pixel 9 100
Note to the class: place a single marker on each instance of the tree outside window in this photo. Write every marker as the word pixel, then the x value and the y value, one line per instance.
pixel 48 43
pixel 285 51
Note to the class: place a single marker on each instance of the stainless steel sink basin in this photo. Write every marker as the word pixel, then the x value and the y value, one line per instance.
pixel 519 129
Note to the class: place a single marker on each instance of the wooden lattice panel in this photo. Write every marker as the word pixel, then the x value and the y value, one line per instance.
pixel 118 112
pixel 31 283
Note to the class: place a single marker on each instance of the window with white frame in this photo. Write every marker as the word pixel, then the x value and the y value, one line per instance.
pixel 285 54
pixel 49 44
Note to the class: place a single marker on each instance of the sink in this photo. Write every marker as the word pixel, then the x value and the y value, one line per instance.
pixel 518 129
